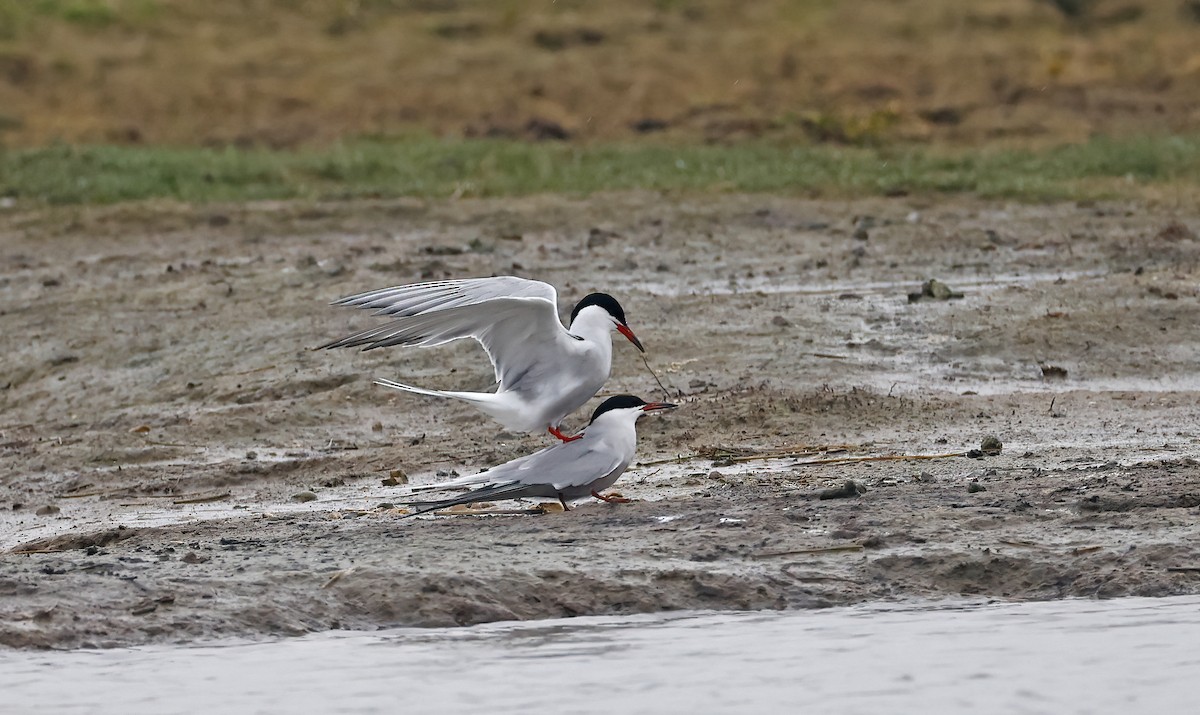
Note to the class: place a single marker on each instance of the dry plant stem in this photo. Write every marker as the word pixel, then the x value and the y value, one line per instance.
pixel 205 499
pixel 732 455
pixel 795 552
pixel 660 385
pixel 881 458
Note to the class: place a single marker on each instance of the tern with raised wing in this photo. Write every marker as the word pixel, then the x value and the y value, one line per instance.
pixel 544 371
pixel 566 471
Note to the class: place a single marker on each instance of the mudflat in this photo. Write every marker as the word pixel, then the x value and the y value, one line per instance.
pixel 179 463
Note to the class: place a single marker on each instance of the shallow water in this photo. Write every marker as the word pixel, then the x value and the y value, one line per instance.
pixel 1056 657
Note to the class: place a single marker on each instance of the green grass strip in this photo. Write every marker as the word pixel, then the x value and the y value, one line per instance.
pixel 428 167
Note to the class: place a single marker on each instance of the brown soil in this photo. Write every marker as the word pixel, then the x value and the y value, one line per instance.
pixel 162 406
pixel 288 72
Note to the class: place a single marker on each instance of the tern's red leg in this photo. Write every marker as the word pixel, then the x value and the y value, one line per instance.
pixel 611 499
pixel 554 431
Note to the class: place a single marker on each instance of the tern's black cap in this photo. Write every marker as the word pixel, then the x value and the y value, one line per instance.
pixel 604 300
pixel 618 402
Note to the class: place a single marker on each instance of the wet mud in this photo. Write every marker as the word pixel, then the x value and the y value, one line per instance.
pixel 167 423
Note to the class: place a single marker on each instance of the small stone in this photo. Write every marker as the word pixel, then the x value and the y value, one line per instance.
pixel 936 290
pixel 975 487
pixel 780 321
pixel 144 608
pixel 304 497
pixel 192 557
pixel 850 489
pixel 991 445
pixel 399 476
pixel 48 510
pixel 862 227
pixel 252 455
pixel 377 427
pixel 599 237
pixel 1053 372
pixel 926 478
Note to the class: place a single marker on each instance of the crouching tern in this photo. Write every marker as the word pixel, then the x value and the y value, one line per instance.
pixel 544 371
pixel 566 471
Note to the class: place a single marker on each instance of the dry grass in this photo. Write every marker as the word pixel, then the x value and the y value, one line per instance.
pixel 282 73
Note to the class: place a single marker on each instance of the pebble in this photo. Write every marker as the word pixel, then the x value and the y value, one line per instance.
pixel 304 496
pixel 850 489
pixel 991 445
pixel 935 290
pixel 395 478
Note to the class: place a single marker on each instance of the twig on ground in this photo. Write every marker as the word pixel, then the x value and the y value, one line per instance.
pixel 797 552
pixel 337 576
pixel 880 458
pixel 203 499
pixel 733 455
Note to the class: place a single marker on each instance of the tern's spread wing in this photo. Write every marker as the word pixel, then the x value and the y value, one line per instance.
pixel 516 320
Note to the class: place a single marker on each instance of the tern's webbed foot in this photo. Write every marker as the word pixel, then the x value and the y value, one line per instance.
pixel 611 498
pixel 555 431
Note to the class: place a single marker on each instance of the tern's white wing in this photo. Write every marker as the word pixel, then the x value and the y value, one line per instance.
pixel 515 319
pixel 562 466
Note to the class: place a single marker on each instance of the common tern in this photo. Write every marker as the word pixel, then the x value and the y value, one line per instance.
pixel 566 471
pixel 544 371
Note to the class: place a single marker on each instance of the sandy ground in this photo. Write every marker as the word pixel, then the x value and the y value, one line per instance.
pixel 163 406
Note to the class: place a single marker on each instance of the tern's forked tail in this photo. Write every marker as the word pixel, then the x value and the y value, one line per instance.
pixel 478 398
pixel 504 407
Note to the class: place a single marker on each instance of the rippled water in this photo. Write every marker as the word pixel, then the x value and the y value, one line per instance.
pixel 1120 656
